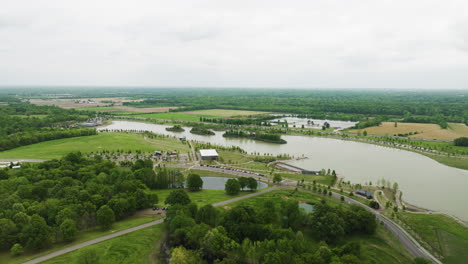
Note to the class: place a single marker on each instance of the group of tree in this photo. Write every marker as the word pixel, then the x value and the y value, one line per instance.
pixel 23 124
pixel 266 233
pixel 160 178
pixel 272 138
pixel 175 128
pixel 51 201
pixel 234 186
pixel 201 131
pixel 461 142
pixel 354 105
pixel 251 120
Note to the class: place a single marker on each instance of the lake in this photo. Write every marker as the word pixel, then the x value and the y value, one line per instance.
pixel 423 181
pixel 218 183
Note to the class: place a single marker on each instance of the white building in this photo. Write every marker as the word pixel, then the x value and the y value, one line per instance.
pixel 208 154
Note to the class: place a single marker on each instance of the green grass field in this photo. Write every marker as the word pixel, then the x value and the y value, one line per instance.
pixel 202 197
pixel 103 141
pixel 135 247
pixel 445 235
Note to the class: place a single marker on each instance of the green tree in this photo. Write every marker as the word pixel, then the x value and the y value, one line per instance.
pixel 181 255
pixel 194 182
pixel 208 215
pixel 252 184
pixel 421 261
pixel 177 197
pixel 37 233
pixel 232 187
pixel 7 233
pixel 68 229
pixel 243 181
pixel 277 178
pixel 16 250
pixel 105 217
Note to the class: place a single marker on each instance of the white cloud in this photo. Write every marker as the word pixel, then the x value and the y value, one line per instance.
pixel 322 43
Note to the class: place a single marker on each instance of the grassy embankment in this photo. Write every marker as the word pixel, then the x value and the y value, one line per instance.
pixel 445 236
pixel 103 141
pixel 135 247
pixel 382 247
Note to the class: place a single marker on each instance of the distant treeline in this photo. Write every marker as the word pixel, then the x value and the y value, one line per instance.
pixel 22 123
pixel 355 105
pixel 273 138
pixel 258 120
pixel 23 139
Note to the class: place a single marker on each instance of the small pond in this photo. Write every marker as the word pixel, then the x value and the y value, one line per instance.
pixel 218 183
pixel 308 208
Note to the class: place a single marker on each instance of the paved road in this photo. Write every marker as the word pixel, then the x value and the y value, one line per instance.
pixel 126 231
pixel 413 247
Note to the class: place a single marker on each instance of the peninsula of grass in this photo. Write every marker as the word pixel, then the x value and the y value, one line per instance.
pixel 103 141
pixel 201 131
pixel 175 128
pixel 270 138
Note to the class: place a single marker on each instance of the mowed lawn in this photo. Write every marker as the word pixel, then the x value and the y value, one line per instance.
pixel 195 115
pixel 445 235
pixel 202 197
pixel 137 247
pixel 103 141
pixel 428 131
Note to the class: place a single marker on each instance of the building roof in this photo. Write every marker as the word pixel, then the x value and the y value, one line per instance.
pixel 208 152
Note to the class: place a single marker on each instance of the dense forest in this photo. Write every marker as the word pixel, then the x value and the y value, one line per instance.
pixel 22 123
pixel 267 233
pixel 51 201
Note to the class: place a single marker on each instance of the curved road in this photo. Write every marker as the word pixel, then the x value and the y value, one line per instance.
pixel 413 247
pixel 126 231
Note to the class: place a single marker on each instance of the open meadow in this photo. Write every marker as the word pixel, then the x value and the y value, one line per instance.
pixel 103 141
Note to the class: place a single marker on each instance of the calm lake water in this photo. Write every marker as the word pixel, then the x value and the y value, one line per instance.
pixel 218 183
pixel 423 181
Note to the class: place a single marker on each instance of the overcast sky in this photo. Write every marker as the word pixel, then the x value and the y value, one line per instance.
pixel 310 44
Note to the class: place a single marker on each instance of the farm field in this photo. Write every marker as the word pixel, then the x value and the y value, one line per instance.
pixel 103 141
pixel 125 110
pixel 135 247
pixel 427 131
pixel 445 235
pixel 195 115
